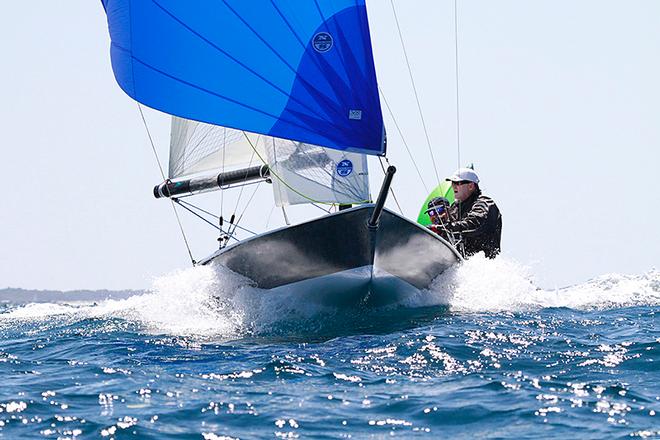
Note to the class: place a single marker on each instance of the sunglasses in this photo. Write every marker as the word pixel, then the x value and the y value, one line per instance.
pixel 461 182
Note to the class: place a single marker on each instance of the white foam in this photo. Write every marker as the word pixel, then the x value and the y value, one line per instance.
pixel 207 302
pixel 483 285
pixel 213 302
pixel 186 302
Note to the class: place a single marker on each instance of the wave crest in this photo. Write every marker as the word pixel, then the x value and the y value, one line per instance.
pixel 212 302
pixel 483 285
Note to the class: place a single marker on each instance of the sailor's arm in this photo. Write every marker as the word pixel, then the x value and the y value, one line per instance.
pixel 477 220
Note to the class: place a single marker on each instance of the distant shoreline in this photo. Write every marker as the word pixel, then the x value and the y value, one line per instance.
pixel 19 295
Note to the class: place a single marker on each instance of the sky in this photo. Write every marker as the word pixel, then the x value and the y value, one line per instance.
pixel 558 109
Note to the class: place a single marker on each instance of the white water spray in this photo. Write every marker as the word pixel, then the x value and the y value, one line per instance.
pixel 212 302
pixel 483 285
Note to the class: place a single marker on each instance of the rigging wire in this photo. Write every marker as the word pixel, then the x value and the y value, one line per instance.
pixel 405 144
pixel 222 193
pixel 233 220
pixel 269 216
pixel 244 209
pixel 185 204
pixel 391 189
pixel 178 202
pixel 327 211
pixel 240 194
pixel 458 125
pixel 162 173
pixel 419 107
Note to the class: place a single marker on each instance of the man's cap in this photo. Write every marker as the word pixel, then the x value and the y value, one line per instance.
pixel 464 174
pixel 437 201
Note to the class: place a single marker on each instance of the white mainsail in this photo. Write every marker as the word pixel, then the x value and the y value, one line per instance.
pixel 301 173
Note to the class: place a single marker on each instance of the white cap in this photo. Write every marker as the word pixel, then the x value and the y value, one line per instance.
pixel 462 174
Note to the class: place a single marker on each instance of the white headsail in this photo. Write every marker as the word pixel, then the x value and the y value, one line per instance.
pixel 301 173
pixel 196 147
pixel 304 173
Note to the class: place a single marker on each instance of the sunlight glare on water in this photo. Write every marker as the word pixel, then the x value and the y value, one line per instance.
pixel 202 353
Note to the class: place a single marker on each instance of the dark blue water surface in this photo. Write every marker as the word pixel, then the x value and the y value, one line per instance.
pixel 484 355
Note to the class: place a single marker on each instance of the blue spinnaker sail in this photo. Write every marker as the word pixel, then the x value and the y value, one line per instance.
pixel 300 70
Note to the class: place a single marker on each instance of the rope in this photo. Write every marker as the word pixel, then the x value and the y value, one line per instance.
pixel 162 173
pixel 419 107
pixel 458 125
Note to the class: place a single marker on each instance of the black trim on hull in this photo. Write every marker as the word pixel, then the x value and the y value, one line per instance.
pixel 340 242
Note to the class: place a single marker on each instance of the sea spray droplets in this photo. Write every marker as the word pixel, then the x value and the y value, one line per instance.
pixel 184 303
pixel 482 285
pixel 53 314
pixel 187 303
pixel 613 291
pixel 212 302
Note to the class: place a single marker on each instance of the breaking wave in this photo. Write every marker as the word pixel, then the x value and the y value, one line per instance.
pixel 483 285
pixel 212 302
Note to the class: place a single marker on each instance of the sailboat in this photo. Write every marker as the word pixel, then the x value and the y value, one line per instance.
pixel 290 86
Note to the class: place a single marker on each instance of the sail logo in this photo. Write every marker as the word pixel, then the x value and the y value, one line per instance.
pixel 356 115
pixel 322 42
pixel 344 168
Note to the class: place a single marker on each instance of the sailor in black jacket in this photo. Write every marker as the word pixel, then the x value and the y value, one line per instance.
pixel 473 219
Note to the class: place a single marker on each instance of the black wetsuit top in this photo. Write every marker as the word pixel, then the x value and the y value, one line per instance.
pixel 479 222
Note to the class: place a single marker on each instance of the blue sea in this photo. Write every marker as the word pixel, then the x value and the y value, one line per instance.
pixel 203 355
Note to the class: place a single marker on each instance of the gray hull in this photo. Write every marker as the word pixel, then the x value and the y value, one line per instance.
pixel 338 260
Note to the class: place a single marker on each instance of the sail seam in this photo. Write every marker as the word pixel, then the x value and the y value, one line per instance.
pixel 307 85
pixel 202 89
pixel 246 67
pixel 295 34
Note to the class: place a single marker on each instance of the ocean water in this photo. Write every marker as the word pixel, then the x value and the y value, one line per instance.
pixel 202 354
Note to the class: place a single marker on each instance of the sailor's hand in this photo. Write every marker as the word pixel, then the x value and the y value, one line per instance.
pixel 435 228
